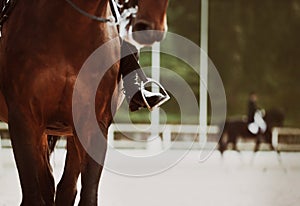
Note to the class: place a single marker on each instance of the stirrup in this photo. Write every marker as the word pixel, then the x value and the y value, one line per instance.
pixel 164 93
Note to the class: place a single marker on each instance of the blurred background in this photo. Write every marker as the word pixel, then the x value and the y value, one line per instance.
pixel 255 46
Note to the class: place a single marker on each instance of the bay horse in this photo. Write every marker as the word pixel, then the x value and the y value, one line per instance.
pixel 235 129
pixel 156 23
pixel 44 44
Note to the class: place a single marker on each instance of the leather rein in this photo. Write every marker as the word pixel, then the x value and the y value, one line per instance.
pixel 115 19
pixel 110 19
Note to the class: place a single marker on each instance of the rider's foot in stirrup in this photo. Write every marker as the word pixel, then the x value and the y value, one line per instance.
pixel 137 102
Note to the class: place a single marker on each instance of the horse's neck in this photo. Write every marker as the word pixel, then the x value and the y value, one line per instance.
pixel 94 7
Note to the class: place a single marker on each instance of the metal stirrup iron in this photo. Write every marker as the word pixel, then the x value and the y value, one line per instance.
pixel 143 91
pixel 147 81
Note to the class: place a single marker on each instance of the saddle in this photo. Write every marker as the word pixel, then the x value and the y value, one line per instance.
pixel 6 7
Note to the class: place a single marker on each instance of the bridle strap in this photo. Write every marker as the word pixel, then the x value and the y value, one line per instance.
pixel 7 8
pixel 111 19
pixel 115 10
pixel 115 19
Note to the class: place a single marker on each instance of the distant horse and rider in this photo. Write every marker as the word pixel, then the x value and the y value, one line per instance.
pixel 43 46
pixel 258 126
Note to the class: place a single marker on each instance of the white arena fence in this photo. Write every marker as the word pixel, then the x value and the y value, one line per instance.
pixel 4 134
pixel 286 139
pixel 138 136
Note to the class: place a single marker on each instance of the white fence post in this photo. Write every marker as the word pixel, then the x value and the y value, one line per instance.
pixel 111 135
pixel 155 143
pixel 203 72
pixel 275 138
pixel 167 137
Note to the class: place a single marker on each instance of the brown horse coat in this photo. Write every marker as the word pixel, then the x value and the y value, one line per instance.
pixel 43 47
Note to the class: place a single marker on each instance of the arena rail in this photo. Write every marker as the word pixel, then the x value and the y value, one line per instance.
pixel 4 134
pixel 138 136
pixel 286 139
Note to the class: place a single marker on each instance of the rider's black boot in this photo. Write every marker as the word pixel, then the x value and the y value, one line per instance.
pixel 128 66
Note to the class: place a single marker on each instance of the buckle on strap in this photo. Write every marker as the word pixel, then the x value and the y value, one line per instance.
pixel 143 91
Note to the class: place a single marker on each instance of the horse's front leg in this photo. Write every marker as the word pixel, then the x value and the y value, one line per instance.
pixel 222 146
pixel 91 172
pixel 31 156
pixel 67 187
pixel 90 178
pixel 257 142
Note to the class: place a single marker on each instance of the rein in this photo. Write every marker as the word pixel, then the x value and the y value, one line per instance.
pixel 111 19
pixel 116 18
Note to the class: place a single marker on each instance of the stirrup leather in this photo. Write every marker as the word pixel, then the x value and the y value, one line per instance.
pixel 143 91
